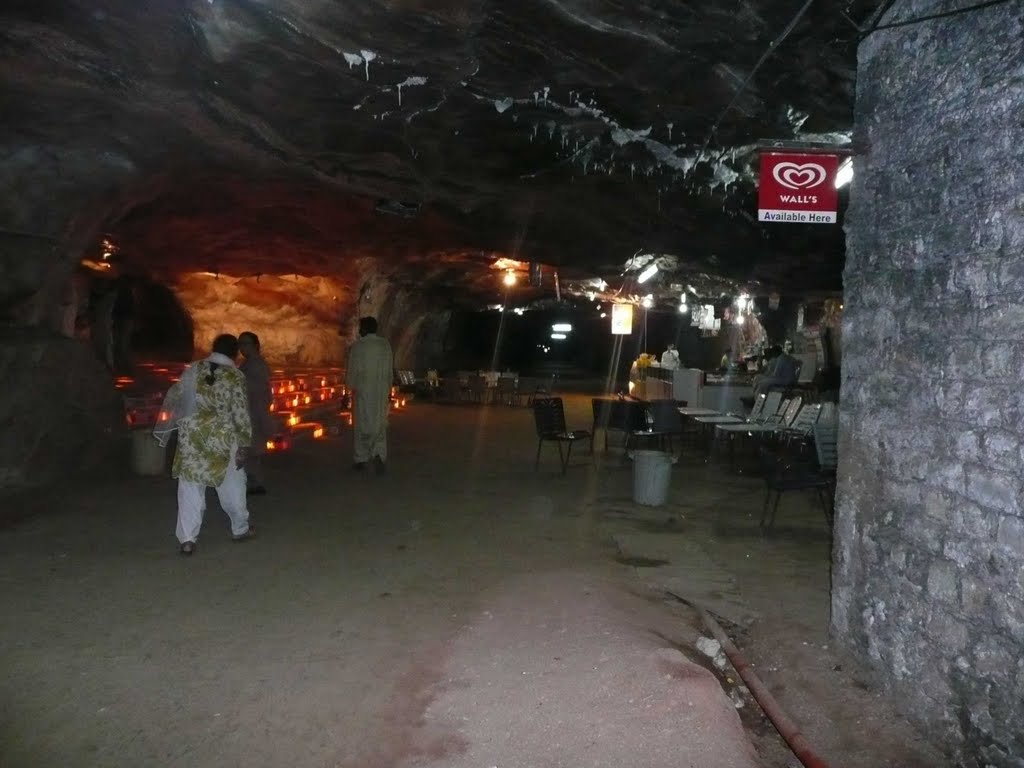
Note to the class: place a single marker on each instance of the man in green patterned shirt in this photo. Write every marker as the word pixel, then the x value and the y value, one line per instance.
pixel 210 410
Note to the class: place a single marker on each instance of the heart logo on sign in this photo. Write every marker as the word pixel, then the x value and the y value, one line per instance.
pixel 793 176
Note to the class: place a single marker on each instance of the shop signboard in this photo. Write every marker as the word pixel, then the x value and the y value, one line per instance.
pixel 622 319
pixel 798 188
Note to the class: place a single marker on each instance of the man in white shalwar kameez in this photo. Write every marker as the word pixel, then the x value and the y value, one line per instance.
pixel 369 375
pixel 209 409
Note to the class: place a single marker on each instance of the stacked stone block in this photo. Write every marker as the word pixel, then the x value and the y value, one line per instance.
pixel 929 540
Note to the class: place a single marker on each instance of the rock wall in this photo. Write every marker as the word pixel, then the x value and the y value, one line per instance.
pixel 312 320
pixel 929 540
pixel 296 317
pixel 59 414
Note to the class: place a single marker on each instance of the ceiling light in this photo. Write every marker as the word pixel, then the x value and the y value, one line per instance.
pixel 845 173
pixel 519 310
pixel 562 328
pixel 510 278
pixel 604 314
pixel 648 273
pixel 558 336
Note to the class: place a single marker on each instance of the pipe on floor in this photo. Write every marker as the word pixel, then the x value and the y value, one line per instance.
pixel 786 727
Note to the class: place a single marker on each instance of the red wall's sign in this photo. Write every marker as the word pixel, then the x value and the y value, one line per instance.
pixel 798 188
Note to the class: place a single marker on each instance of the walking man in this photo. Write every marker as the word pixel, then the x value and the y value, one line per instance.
pixel 369 375
pixel 257 384
pixel 209 410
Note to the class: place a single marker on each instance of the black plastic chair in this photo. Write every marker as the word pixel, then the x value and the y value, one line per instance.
pixel 819 474
pixel 543 391
pixel 665 421
pixel 609 414
pixel 549 418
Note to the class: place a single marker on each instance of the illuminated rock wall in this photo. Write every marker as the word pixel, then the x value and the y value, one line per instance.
pixel 297 318
pixel 303 321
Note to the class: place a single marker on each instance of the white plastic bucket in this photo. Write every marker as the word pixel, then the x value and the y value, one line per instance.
pixel 148 456
pixel 652 473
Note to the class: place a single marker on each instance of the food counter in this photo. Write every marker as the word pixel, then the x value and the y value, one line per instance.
pixel 692 386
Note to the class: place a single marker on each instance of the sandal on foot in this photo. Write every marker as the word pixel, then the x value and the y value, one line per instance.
pixel 187 548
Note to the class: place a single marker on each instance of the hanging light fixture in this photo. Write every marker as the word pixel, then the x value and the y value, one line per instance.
pixel 647 274
pixel 845 173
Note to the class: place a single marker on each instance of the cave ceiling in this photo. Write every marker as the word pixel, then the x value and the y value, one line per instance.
pixel 295 136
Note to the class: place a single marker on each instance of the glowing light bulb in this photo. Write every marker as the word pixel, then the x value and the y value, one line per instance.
pixel 510 278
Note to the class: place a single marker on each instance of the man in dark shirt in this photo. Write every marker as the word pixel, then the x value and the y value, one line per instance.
pixel 782 371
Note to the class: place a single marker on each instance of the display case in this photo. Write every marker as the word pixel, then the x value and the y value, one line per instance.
pixel 653 382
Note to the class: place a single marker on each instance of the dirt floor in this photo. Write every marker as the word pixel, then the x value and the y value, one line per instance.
pixel 461 610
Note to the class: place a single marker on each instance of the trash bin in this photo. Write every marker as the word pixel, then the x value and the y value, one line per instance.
pixel 148 456
pixel 652 472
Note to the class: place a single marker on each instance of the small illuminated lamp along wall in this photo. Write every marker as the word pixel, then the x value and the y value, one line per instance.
pixel 561 328
pixel 278 443
pixel 559 336
pixel 647 302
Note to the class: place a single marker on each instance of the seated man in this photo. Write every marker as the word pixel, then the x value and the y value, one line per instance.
pixel 783 370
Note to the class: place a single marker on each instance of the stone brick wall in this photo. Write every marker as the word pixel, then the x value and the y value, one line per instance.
pixel 929 540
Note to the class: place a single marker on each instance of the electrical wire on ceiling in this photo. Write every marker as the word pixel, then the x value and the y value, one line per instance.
pixel 750 76
pixel 933 16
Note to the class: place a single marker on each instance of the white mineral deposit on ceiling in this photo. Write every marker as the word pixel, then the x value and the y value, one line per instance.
pixel 623 136
pixel 368 56
pixel 663 154
pixel 409 81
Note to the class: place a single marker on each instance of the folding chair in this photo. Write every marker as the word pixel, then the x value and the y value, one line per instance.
pixel 549 419
pixel 790 475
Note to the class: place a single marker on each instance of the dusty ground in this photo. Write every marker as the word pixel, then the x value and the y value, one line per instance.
pixel 460 611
